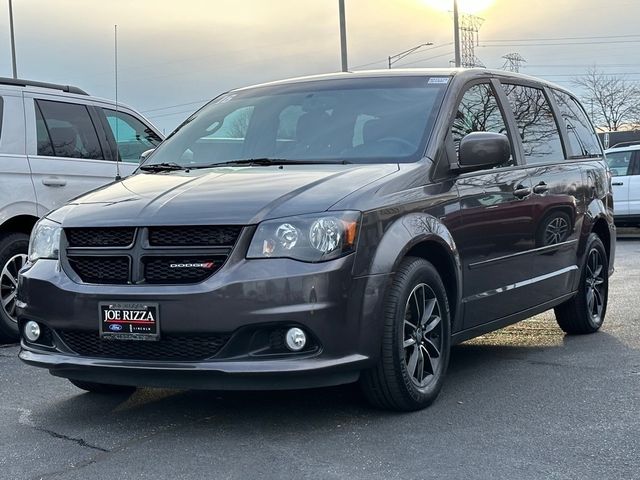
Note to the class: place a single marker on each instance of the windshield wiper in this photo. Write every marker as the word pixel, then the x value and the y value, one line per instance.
pixel 162 167
pixel 270 161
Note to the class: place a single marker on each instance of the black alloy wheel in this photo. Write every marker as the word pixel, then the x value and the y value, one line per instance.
pixel 422 335
pixel 415 342
pixel 585 312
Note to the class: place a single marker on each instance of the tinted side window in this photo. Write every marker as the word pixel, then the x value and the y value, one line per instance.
pixel 536 124
pixel 70 130
pixel 619 163
pixel 582 137
pixel 132 136
pixel 45 147
pixel 479 112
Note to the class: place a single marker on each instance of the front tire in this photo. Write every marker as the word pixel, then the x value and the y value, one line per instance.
pixel 13 255
pixel 585 312
pixel 415 342
pixel 103 388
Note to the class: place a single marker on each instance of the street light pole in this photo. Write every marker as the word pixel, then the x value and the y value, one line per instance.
pixel 456 33
pixel 13 42
pixel 399 56
pixel 343 36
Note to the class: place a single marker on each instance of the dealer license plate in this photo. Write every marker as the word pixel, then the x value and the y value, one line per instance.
pixel 129 321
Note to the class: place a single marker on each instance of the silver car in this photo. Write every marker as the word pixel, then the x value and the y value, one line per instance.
pixel 56 142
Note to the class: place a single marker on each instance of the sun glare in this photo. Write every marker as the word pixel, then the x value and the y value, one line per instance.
pixel 465 6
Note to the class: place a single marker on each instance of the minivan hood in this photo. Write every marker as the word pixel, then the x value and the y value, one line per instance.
pixel 224 196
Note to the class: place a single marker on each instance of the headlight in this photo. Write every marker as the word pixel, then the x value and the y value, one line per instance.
pixel 309 238
pixel 45 240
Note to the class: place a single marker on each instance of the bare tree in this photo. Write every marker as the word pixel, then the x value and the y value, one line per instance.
pixel 614 101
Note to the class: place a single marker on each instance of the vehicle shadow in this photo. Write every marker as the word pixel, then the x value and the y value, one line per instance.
pixel 473 368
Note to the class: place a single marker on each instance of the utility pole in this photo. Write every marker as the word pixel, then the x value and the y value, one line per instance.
pixel 13 42
pixel 456 33
pixel 343 37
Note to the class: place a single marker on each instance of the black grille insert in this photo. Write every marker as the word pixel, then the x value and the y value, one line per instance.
pixel 112 270
pixel 180 270
pixel 169 347
pixel 99 237
pixel 196 236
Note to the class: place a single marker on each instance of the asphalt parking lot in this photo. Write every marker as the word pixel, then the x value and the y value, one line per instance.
pixel 526 402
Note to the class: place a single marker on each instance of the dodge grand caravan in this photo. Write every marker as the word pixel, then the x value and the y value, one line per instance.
pixel 327 230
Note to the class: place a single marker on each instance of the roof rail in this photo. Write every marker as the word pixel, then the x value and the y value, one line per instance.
pixel 30 83
pixel 626 144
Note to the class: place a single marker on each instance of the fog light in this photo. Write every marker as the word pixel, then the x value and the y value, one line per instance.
pixel 296 339
pixel 32 331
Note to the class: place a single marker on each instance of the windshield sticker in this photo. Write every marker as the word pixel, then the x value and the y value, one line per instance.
pixel 438 80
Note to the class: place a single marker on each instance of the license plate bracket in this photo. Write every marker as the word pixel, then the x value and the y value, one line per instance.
pixel 129 321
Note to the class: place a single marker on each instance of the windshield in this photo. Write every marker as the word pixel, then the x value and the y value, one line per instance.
pixel 372 120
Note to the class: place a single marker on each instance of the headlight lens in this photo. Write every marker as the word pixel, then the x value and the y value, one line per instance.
pixel 309 238
pixel 45 240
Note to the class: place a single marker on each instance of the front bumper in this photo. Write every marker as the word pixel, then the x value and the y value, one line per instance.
pixel 341 313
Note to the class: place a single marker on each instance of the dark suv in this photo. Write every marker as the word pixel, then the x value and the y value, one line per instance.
pixel 324 230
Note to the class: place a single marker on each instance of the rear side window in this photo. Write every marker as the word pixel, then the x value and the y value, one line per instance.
pixel 132 136
pixel 536 124
pixel 66 130
pixel 478 112
pixel 582 137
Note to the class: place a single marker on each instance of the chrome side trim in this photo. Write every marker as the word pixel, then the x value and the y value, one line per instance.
pixel 526 252
pixel 523 283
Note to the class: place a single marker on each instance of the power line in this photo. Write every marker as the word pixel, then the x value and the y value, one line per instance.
pixel 591 37
pixel 169 114
pixel 174 106
pixel 501 45
pixel 448 54
pixel 386 59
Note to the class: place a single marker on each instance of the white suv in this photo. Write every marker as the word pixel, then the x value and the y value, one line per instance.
pixel 624 163
pixel 56 142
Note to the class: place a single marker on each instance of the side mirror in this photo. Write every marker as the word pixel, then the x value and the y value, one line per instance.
pixel 145 154
pixel 480 150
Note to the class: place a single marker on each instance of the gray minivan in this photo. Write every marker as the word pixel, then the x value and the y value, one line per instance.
pixel 328 230
pixel 56 143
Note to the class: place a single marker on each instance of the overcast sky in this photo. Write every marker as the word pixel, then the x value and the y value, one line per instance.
pixel 174 53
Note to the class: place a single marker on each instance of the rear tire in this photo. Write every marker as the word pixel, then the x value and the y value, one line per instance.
pixel 13 255
pixel 415 342
pixel 103 388
pixel 585 312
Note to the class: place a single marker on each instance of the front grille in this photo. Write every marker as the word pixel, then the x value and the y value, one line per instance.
pixel 180 270
pixel 99 237
pixel 123 255
pixel 112 270
pixel 169 347
pixel 197 236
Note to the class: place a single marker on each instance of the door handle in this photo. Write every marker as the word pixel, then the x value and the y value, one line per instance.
pixel 618 184
pixel 521 192
pixel 540 188
pixel 54 182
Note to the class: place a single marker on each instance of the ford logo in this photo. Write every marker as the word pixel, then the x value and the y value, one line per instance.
pixel 114 327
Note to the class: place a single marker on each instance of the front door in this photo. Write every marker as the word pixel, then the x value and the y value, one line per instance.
pixel 496 229
pixel 620 167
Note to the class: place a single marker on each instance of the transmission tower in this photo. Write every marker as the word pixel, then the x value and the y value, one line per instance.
pixel 469 27
pixel 513 62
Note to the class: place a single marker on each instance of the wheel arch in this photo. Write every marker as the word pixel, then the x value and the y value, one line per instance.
pixel 424 236
pixel 19 224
